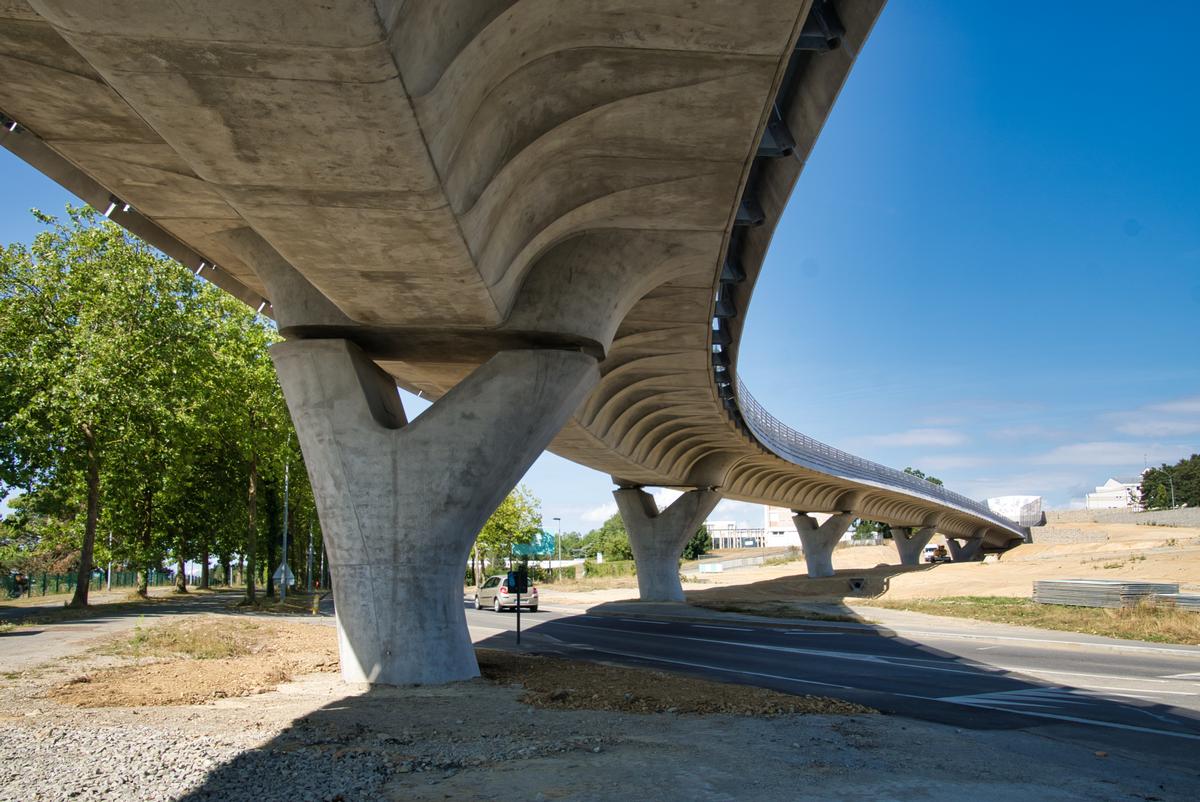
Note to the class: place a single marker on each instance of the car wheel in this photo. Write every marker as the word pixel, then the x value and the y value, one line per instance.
pixel 496 604
pixel 478 606
pixel 533 609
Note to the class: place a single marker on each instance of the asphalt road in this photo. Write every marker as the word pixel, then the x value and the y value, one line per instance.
pixel 1131 696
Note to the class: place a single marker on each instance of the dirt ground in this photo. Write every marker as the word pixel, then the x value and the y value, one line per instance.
pixel 313 738
pixel 1127 551
pixel 203 658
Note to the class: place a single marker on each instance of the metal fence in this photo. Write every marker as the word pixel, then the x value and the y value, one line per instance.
pixel 43 584
pixel 804 450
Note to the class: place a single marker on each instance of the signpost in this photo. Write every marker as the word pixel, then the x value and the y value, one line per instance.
pixel 518 582
pixel 283 574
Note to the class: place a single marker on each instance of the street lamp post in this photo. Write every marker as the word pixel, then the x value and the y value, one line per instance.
pixel 287 464
pixel 558 544
pixel 308 571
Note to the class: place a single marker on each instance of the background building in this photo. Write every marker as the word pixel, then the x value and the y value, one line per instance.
pixel 1117 494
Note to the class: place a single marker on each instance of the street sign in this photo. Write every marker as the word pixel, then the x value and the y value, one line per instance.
pixel 284 569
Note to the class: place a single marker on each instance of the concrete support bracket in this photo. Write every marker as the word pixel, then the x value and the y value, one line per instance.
pixel 819 541
pixel 658 537
pixel 401 503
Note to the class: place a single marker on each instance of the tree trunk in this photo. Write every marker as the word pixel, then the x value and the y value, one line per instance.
pixel 475 566
pixel 180 572
pixel 80 597
pixel 204 568
pixel 143 587
pixel 272 499
pixel 252 530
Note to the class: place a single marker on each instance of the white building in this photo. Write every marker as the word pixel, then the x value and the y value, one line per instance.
pixel 1025 510
pixel 781 531
pixel 1117 494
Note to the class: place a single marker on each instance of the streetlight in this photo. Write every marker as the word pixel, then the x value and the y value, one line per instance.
pixel 287 464
pixel 558 544
pixel 1172 483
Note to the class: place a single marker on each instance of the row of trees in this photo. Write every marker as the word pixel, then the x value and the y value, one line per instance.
pixel 1172 485
pixel 137 404
pixel 141 423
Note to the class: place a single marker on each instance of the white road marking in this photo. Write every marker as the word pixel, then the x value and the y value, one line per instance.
pixel 644 621
pixel 900 631
pixel 1025 670
pixel 730 629
pixel 965 701
pixel 1183 676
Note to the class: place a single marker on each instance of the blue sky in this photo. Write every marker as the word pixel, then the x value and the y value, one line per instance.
pixel 990 268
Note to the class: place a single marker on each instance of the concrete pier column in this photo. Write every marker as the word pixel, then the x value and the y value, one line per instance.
pixel 910 541
pixel 965 550
pixel 658 537
pixel 819 541
pixel 401 503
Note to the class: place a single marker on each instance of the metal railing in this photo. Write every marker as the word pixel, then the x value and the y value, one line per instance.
pixel 47 584
pixel 804 450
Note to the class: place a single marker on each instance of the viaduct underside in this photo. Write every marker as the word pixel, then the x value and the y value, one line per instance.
pixel 546 215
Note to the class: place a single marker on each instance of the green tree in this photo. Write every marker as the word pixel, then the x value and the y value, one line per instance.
pixel 517 521
pixel 90 326
pixel 920 474
pixel 134 399
pixel 609 539
pixel 1183 478
pixel 700 543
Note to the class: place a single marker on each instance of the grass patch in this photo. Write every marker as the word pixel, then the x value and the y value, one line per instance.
pixel 7 626
pixel 197 640
pixel 1158 623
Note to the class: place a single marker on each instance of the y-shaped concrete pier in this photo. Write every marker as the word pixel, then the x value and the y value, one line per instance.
pixel 401 502
pixel 910 541
pixel 819 541
pixel 658 537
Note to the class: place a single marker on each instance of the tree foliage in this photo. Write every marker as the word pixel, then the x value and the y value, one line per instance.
pixel 136 401
pixel 920 474
pixel 609 539
pixel 1183 477
pixel 700 543
pixel 517 521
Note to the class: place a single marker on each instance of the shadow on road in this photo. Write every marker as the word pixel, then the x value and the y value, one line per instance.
pixel 360 738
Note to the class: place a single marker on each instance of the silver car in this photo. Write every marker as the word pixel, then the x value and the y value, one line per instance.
pixel 494 593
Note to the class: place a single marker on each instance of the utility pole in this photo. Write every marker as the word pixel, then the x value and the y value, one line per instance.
pixel 308 571
pixel 109 560
pixel 287 463
pixel 558 543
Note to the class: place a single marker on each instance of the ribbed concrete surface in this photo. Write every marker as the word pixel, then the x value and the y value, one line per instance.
pixel 459 178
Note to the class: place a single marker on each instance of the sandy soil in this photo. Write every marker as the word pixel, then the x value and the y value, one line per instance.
pixel 1128 551
pixel 158 664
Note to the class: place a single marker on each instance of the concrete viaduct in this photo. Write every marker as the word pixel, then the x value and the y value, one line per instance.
pixel 546 215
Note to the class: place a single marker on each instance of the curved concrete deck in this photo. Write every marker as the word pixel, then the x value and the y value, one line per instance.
pixel 440 182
